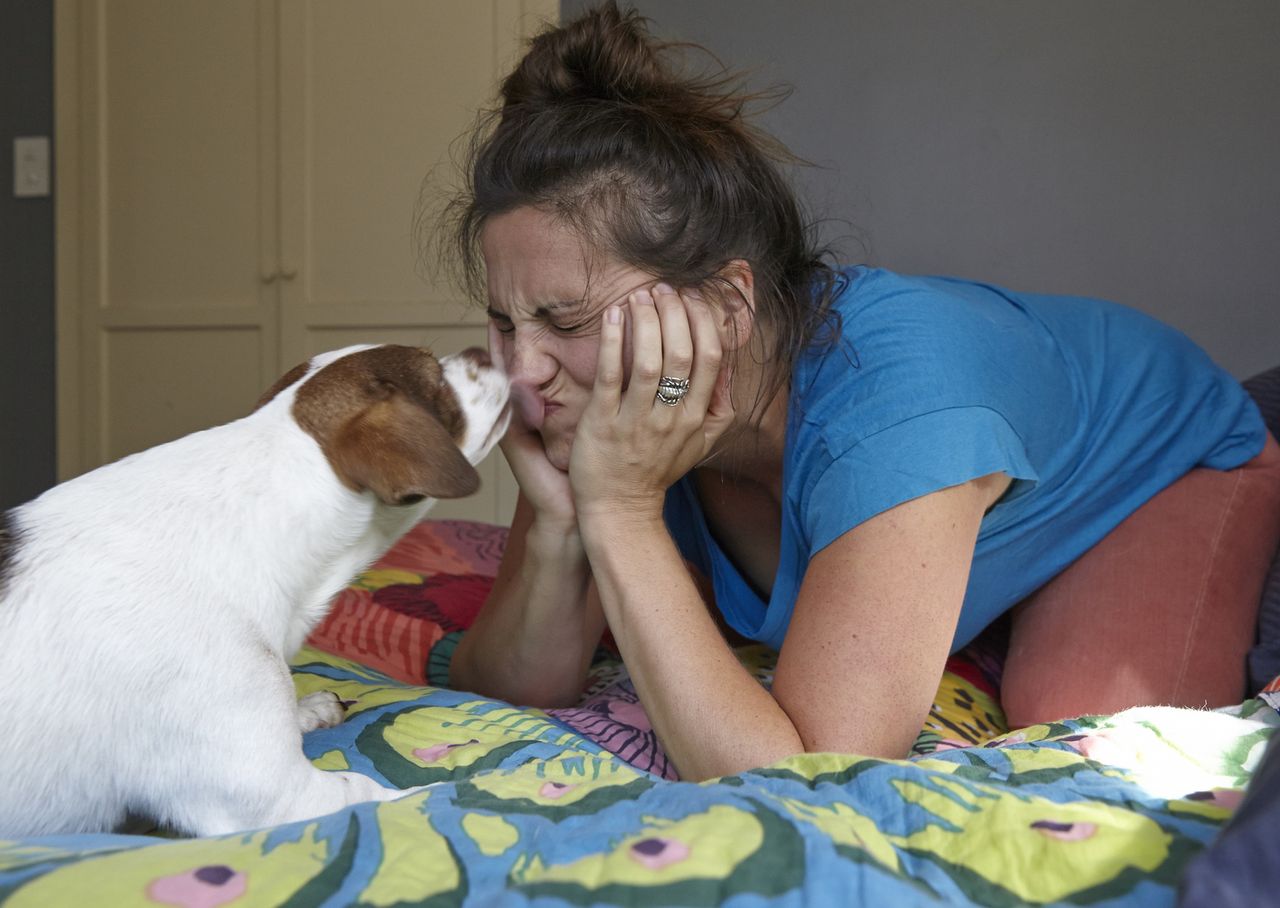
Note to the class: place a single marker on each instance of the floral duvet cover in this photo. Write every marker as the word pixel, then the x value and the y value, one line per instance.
pixel 579 807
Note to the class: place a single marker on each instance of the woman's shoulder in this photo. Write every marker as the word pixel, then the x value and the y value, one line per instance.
pixel 944 302
pixel 910 347
pixel 934 338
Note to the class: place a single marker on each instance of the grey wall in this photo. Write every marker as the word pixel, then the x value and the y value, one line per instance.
pixel 27 463
pixel 1121 150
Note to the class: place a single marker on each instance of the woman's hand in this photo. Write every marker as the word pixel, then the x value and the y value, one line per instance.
pixel 546 487
pixel 630 447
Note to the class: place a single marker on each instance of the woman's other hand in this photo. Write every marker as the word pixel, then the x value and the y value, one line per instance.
pixel 630 446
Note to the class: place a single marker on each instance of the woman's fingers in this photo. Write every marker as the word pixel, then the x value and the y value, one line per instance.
pixel 708 355
pixel 671 337
pixel 609 369
pixel 646 354
pixel 677 342
pixel 686 348
pixel 709 390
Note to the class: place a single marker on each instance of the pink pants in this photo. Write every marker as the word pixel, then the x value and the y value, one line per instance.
pixel 1162 611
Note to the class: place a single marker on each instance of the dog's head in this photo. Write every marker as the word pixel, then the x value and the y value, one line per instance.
pixel 396 421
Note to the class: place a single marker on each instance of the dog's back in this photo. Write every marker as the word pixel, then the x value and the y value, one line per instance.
pixel 143 603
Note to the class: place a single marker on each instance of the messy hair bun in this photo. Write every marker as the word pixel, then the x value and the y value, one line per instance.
pixel 600 125
pixel 605 55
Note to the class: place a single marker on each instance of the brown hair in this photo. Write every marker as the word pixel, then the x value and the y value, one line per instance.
pixel 654 166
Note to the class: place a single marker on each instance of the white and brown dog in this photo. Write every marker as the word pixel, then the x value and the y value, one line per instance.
pixel 148 609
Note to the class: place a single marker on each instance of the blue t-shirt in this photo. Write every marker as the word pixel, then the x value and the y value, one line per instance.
pixel 1090 406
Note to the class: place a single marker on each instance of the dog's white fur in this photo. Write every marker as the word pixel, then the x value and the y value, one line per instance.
pixel 150 609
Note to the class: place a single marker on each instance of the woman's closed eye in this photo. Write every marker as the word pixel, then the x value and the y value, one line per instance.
pixel 501 323
pixel 573 328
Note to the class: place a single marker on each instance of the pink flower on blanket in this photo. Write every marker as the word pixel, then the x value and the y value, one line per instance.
pixel 1065 832
pixel 204 887
pixel 436 751
pixel 1226 798
pixel 656 853
pixel 553 790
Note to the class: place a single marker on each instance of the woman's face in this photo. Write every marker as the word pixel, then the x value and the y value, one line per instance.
pixel 547 295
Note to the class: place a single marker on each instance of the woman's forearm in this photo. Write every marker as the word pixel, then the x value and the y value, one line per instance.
pixel 534 637
pixel 712 716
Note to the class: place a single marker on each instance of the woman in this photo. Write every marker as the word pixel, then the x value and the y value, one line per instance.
pixel 866 468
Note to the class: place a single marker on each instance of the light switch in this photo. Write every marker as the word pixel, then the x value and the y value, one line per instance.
pixel 30 166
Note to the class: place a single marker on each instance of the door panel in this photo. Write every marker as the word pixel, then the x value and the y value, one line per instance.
pixel 171 212
pixel 165 383
pixel 180 141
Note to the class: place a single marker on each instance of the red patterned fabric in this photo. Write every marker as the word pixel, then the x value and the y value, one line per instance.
pixel 431 583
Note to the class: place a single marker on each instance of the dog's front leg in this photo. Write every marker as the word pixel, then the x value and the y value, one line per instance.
pixel 247 769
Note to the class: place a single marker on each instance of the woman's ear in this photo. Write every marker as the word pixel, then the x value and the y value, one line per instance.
pixel 737 304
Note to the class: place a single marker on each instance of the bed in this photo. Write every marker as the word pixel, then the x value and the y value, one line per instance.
pixel 579 806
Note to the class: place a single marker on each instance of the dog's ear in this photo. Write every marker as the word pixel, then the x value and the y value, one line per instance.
pixel 401 453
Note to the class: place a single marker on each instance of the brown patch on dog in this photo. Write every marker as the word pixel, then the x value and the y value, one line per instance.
pixel 388 422
pixel 282 382
pixel 8 547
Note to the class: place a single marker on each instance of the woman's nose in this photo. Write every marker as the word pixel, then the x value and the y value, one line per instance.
pixel 525 360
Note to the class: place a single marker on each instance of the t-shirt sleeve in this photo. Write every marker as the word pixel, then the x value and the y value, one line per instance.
pixel 911 458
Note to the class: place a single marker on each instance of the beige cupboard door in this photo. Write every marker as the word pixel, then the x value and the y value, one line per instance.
pixel 166 220
pixel 238 181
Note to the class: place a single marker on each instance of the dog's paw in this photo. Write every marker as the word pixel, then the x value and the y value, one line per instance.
pixel 322 709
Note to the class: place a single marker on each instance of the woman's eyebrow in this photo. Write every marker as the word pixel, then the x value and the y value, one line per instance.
pixel 559 306
pixel 542 311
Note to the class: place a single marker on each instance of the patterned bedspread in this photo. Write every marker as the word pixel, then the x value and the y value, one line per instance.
pixel 578 807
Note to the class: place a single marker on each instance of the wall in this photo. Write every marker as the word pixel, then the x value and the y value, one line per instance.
pixel 1122 150
pixel 27 463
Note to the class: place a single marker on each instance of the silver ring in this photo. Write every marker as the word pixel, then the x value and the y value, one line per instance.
pixel 672 390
